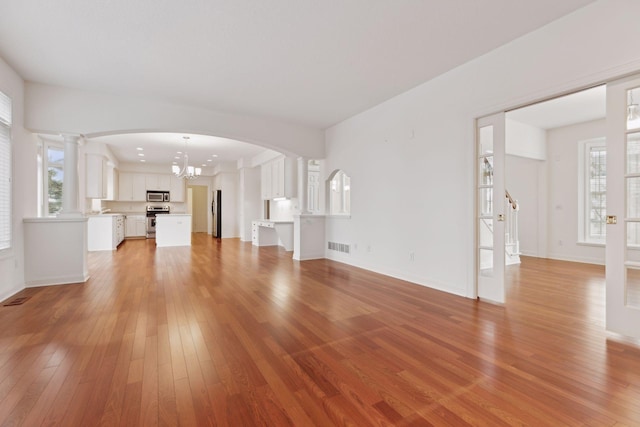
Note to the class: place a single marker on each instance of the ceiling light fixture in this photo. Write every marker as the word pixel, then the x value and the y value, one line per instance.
pixel 632 109
pixel 187 172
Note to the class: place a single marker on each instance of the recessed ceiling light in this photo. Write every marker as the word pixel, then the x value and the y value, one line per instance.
pixel 141 154
pixel 214 155
pixel 139 148
pixel 204 164
pixel 175 163
pixel 179 152
pixel 209 160
pixel 176 157
pixel 142 160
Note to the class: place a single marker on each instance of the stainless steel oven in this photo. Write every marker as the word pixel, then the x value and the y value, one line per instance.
pixel 152 211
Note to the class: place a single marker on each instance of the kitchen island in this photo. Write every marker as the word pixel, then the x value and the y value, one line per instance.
pixel 173 230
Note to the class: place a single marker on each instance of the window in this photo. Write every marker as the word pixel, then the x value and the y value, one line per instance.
pixel 339 193
pixel 593 155
pixel 5 172
pixel 51 160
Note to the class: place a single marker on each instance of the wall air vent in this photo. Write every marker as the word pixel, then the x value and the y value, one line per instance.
pixel 340 247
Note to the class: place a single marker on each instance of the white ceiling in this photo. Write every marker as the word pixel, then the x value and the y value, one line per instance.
pixel 590 104
pixel 308 62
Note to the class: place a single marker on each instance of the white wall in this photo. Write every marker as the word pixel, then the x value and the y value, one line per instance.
pixel 24 201
pixel 525 140
pixel 526 181
pixel 54 109
pixel 562 149
pixel 411 159
pixel 228 183
pixel 250 202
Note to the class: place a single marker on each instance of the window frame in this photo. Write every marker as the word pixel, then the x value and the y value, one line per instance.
pixel 43 191
pixel 6 113
pixel 584 192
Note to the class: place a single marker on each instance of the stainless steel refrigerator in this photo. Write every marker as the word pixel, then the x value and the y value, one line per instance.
pixel 216 211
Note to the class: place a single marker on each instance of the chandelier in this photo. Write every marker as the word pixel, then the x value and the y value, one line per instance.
pixel 188 172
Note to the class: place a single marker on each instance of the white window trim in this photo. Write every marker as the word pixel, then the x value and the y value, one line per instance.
pixel 584 202
pixel 6 107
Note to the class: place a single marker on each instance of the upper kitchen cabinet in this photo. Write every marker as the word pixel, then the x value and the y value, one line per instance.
pixel 132 187
pixel 266 191
pixel 157 182
pixel 96 176
pixel 279 178
pixel 101 178
pixel 177 189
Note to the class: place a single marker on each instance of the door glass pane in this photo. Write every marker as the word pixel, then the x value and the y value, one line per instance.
pixel 633 234
pixel 486 262
pixel 633 112
pixel 633 153
pixel 486 140
pixel 486 232
pixel 485 201
pixel 486 170
pixel 632 291
pixel 633 197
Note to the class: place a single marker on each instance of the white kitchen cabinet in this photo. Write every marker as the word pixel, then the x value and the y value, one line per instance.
pixel 272 233
pixel 105 232
pixel 177 189
pixel 132 187
pixel 157 182
pixel 112 182
pixel 95 176
pixel 265 171
pixel 279 178
pixel 136 226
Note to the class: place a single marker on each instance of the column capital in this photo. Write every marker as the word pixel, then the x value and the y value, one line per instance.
pixel 71 138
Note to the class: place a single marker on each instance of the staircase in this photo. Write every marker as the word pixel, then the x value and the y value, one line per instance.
pixel 511 240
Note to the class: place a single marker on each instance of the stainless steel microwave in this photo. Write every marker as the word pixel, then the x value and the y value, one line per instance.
pixel 158 196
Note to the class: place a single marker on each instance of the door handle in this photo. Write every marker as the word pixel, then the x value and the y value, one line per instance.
pixel 500 217
pixel 612 219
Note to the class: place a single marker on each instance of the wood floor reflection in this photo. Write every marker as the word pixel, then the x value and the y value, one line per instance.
pixel 224 333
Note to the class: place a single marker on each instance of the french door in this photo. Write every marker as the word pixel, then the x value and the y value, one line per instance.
pixel 623 207
pixel 490 205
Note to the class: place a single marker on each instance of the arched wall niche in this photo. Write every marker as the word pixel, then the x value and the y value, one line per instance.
pixel 339 193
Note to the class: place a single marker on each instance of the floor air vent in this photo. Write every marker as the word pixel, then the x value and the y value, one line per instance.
pixel 340 247
pixel 17 301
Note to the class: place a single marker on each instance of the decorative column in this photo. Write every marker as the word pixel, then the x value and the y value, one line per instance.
pixel 303 183
pixel 70 205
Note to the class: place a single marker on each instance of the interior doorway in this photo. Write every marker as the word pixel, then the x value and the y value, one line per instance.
pixel 197 206
pixel 554 185
pixel 555 155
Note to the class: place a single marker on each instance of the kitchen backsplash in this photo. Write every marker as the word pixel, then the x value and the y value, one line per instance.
pixel 283 210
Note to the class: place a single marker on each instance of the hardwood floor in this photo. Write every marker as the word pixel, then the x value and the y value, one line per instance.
pixel 224 333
